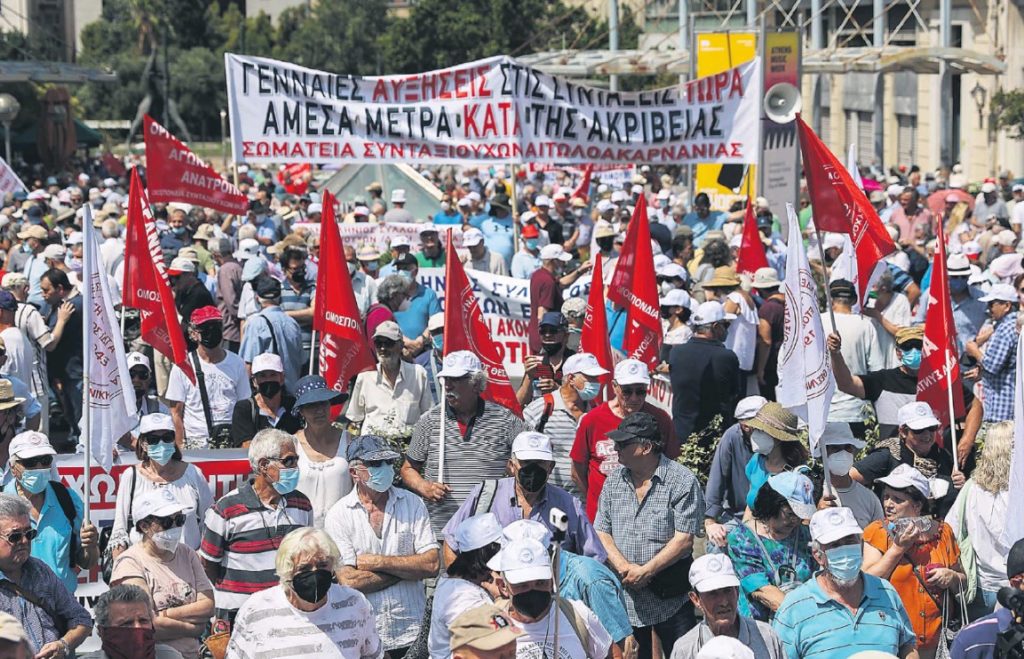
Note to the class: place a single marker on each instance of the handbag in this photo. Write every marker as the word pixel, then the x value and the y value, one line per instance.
pixel 215 646
pixel 673 581
pixel 220 434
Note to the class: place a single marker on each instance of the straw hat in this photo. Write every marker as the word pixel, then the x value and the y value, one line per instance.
pixel 777 421
pixel 723 276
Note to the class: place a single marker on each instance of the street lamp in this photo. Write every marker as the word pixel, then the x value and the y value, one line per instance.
pixel 979 94
pixel 9 108
pixel 224 138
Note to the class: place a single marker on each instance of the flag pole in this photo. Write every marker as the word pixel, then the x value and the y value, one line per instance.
pixel 515 207
pixel 312 352
pixel 952 422
pixel 440 436
pixel 829 491
pixel 87 307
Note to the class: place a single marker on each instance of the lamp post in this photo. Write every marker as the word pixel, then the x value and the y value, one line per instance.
pixel 224 138
pixel 9 108
pixel 980 94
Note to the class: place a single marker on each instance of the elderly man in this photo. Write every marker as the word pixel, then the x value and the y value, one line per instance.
pixel 34 237
pixel 393 397
pixel 989 205
pixel 649 512
pixel 827 615
pixel 483 632
pixel 431 254
pixel 246 525
pixel 481 258
pixel 477 437
pixel 715 591
pixel 124 619
pixel 525 567
pixel 593 452
pixel 31 590
pixel 273 330
pixel 999 358
pixel 909 215
pixel 385 561
pixel 526 494
pixel 398 212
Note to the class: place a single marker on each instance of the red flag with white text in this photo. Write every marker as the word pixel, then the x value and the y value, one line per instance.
pixel 465 329
pixel 344 351
pixel 634 286
pixel 841 207
pixel 583 189
pixel 595 338
pixel 751 254
pixel 146 287
pixel 174 173
pixel 940 361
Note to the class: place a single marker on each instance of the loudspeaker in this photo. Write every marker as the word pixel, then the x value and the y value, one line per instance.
pixel 782 103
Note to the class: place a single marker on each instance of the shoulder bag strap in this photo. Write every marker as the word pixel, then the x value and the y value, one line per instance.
pixel 774 571
pixel 576 621
pixel 486 499
pixel 203 396
pixel 273 337
pixel 15 589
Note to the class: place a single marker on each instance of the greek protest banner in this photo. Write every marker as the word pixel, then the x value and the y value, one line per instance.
pixel 492 111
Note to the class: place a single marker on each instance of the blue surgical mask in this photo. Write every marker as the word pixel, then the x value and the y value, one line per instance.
pixel 590 390
pixel 287 480
pixel 405 273
pixel 912 358
pixel 160 453
pixel 179 231
pixel 34 481
pixel 957 284
pixel 438 341
pixel 844 562
pixel 531 243
pixel 381 477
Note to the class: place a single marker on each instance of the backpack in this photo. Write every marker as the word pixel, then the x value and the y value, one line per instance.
pixel 68 506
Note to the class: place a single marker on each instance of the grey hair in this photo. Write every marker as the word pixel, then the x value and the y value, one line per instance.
pixel 122 593
pixel 885 282
pixel 308 541
pixel 267 444
pixel 13 506
pixel 220 246
pixel 110 229
pixel 479 380
pixel 391 285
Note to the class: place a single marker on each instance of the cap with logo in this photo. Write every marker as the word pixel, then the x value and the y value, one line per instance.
pixel 904 476
pixel 459 363
pixel 631 371
pixel 585 363
pixel 370 448
pixel 832 524
pixel 712 572
pixel 532 446
pixel 138 359
pixel 917 415
pixel 476 532
pixel 525 560
pixel 156 422
pixel 157 503
pixel 30 444
pixel 484 627
pixel 267 362
pixel 798 490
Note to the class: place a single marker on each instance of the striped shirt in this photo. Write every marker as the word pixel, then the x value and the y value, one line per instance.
pixel 242 535
pixel 481 453
pixel 561 428
pixel 28 319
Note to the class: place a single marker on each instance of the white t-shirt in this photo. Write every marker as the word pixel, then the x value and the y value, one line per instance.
pixel 862 353
pixel 742 337
pixel 226 384
pixel 986 518
pixel 452 598
pixel 538 640
pixel 19 355
pixel 897 313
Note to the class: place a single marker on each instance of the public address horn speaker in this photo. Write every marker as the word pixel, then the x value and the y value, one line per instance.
pixel 782 103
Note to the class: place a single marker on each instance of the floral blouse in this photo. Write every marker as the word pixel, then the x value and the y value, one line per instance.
pixel 788 564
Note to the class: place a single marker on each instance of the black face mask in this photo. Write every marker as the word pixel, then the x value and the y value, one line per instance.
pixel 299 274
pixel 312 586
pixel 606 243
pixel 269 389
pixel 532 603
pixel 532 477
pixel 551 349
pixel 666 312
pixel 210 337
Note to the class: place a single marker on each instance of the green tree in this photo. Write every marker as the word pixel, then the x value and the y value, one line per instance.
pixel 337 35
pixel 1008 111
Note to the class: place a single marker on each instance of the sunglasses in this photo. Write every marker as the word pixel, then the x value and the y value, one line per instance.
pixel 383 344
pixel 619 445
pixel 169 522
pixel 633 391
pixel 923 431
pixel 157 437
pixel 550 331
pixel 15 537
pixel 911 345
pixel 290 462
pixel 38 461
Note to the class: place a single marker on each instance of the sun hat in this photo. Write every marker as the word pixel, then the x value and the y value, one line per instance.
pixel 777 421
pixel 7 397
pixel 839 433
pixel 484 627
pixel 723 276
pixel 312 389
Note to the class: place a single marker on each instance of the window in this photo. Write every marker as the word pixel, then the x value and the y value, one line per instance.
pixel 906 139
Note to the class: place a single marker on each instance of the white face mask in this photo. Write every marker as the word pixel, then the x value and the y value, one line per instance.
pixel 168 540
pixel 352 267
pixel 840 464
pixel 761 442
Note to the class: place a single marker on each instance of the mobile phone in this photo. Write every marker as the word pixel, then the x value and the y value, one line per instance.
pixel 544 372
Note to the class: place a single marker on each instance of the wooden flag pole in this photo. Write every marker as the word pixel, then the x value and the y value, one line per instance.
pixel 829 490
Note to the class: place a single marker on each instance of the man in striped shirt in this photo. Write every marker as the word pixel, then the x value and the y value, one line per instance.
pixel 245 527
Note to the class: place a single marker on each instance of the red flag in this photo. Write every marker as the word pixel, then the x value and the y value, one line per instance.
pixel 146 287
pixel 595 337
pixel 174 173
pixel 940 361
pixel 840 206
pixel 751 255
pixel 465 329
pixel 113 164
pixel 635 287
pixel 343 348
pixel 583 189
pixel 293 178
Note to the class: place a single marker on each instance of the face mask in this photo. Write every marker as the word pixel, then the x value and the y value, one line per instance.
pixel 957 285
pixel 532 477
pixel 129 642
pixel 287 480
pixel 438 341
pixel 531 243
pixel 606 244
pixel 573 340
pixel 179 231
pixel 299 274
pixel 210 337
pixel 666 312
pixel 75 264
pixel 352 267
pixel 840 464
pixel 762 442
pixel 404 306
pixel 406 273
pixel 312 586
pixel 590 390
pixel 551 349
pixel 532 603
pixel 381 478
pixel 912 358
pixel 34 481
pixel 844 562
pixel 160 453
pixel 168 540
pixel 269 389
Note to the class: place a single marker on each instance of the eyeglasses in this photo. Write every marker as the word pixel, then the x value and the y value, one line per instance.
pixel 383 344
pixel 36 462
pixel 172 521
pixel 911 345
pixel 15 537
pixel 621 444
pixel 139 374
pixel 290 462
pixel 633 391
pixel 157 437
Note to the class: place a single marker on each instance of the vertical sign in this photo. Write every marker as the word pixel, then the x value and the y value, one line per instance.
pixel 779 179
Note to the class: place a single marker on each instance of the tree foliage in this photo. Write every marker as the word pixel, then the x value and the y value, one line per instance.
pixel 1008 112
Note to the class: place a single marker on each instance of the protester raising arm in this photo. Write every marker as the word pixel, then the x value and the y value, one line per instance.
pixel 847 382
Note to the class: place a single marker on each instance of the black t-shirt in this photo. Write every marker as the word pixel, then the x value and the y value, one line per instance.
pixel 245 424
pixel 554 230
pixel 880 462
pixel 891 389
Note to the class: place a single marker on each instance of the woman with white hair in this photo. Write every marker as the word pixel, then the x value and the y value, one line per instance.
pixel 308 608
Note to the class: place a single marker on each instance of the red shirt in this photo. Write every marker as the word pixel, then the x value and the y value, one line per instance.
pixel 545 291
pixel 593 448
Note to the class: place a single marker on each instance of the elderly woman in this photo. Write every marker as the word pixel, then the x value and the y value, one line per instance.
pixel 392 296
pixel 169 572
pixel 979 515
pixel 160 467
pixel 771 552
pixel 323 469
pixel 307 608
pixel 469 582
pixel 917 554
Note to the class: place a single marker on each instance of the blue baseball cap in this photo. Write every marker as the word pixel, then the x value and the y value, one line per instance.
pixel 7 301
pixel 798 490
pixel 554 319
pixel 313 389
pixel 369 448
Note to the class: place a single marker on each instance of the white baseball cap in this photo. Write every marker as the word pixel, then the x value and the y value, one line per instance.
pixel 988 187
pixel 604 206
pixel 585 363
pixel 1000 293
pixel 30 444
pixel 677 297
pixel 917 416
pixel 554 251
pixel 156 422
pixel 972 248
pixel 833 524
pixel 268 361
pixel 527 216
pixel 472 237
pixel 672 271
pixel 906 476
pixel 748 407
pixel 711 572
pixel 833 240
pixel 1006 238
pixel 313 209
pixel 138 359
pixel 839 433
pixel 53 251
pixel 436 322
pixel 181 265
pixel 724 647
pixel 465 201
pixel 525 529
pixel 247 248
pixel 476 532
pixel 710 312
pixel 400 241
pixel 542 200
pixel 631 371
pixel 398 196
pixel 531 445
pixel 459 363
pixel 157 503
pixel 525 560
pixel 619 196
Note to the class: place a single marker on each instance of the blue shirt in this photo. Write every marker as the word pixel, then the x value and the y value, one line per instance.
pixel 498 236
pixel 292 300
pixel 811 624
pixel 584 579
pixel 968 315
pixel 423 305
pixel 524 264
pixel 257 339
pixel 713 222
pixel 33 270
pixel 978 639
pixel 999 370
pixel 38 579
pixel 580 539
pixel 448 217
pixel 616 325
pixel 53 544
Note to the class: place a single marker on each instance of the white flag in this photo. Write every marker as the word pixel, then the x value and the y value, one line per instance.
pixel 806 383
pixel 851 166
pixel 108 408
pixel 9 181
pixel 1013 529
